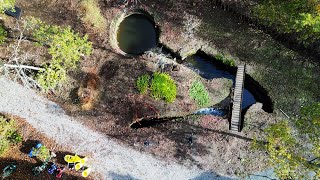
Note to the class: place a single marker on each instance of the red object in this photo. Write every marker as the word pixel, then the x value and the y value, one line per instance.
pixel 59 172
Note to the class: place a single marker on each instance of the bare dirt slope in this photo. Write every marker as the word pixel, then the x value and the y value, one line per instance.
pixel 108 158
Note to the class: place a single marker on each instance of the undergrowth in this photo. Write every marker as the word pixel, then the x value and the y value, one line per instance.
pixel 43 153
pixel 8 134
pixel 199 93
pixel 66 48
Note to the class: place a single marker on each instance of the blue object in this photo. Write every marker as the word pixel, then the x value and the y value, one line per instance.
pixel 52 169
pixel 34 151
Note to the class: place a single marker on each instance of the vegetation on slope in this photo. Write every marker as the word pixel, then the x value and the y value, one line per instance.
pixel 294 155
pixel 300 17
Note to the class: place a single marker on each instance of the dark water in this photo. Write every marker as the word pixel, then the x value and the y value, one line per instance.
pixel 209 70
pixel 137 34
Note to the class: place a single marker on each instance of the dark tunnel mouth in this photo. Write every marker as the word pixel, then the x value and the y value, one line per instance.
pixel 134 33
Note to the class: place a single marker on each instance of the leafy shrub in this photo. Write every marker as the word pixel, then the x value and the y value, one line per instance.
pixel 41 31
pixel 65 47
pixel 199 93
pixel 8 134
pixel 43 153
pixel 143 83
pixel 7 4
pixel 163 87
pixel 92 14
pixel 51 77
pixel 3 34
pixel 15 137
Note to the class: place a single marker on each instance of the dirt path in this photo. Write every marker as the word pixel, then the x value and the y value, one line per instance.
pixel 108 158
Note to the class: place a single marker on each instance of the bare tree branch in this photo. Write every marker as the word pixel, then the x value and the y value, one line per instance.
pixel 15 68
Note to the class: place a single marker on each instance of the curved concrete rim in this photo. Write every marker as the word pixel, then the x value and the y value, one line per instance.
pixel 115 26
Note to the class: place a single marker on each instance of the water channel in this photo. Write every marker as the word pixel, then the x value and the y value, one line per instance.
pixel 137 33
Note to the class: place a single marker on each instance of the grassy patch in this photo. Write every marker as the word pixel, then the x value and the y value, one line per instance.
pixel 92 14
pixel 199 93
pixel 143 83
pixel 163 87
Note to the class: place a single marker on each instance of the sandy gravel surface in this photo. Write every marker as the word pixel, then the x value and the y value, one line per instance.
pixel 107 157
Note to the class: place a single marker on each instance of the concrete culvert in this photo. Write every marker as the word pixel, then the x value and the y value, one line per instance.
pixel 134 33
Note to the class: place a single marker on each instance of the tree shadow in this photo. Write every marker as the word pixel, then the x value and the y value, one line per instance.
pixel 28 145
pixel 117 176
pixel 184 136
pixel 209 175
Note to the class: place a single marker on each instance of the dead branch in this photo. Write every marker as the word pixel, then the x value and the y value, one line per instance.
pixel 15 68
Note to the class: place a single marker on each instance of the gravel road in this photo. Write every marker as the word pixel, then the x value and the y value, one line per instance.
pixel 106 157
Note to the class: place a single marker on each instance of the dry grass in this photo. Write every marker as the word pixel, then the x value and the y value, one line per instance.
pixel 92 15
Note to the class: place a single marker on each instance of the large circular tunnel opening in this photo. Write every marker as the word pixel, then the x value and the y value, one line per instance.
pixel 136 34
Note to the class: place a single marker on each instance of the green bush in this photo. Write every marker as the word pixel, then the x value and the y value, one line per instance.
pixel 43 153
pixel 65 47
pixel 8 134
pixel 7 4
pixel 163 87
pixel 3 34
pixel 143 83
pixel 199 93
pixel 51 77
